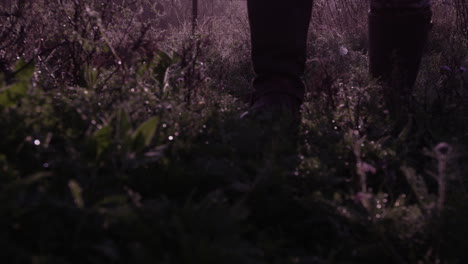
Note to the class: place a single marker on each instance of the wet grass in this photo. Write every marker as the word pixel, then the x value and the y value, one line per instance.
pixel 122 144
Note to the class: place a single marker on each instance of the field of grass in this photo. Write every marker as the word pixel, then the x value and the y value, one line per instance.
pixel 120 142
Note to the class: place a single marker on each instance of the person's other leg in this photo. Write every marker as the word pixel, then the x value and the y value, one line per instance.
pixel 279 39
pixel 398 32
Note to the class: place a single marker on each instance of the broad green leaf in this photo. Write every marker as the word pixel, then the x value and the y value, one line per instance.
pixel 13 94
pixel 103 140
pixel 143 135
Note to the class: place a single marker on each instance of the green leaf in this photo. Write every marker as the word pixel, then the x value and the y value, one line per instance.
pixel 124 126
pixel 103 140
pixel 13 94
pixel 24 71
pixel 176 58
pixel 419 186
pixel 144 134
pixel 90 75
pixel 163 62
pixel 14 188
pixel 112 200
pixel 76 192
pixel 106 48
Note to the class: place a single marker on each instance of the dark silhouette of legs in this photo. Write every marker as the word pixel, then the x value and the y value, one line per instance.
pixel 397 31
pixel 397 37
pixel 279 41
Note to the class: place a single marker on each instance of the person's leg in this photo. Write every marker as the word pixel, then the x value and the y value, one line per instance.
pixel 279 39
pixel 398 32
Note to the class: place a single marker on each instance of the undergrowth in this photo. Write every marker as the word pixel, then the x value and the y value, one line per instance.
pixel 120 142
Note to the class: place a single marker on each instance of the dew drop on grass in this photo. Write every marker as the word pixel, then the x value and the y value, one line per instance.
pixel 343 51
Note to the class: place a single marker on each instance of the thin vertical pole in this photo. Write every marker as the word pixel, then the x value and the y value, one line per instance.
pixel 194 15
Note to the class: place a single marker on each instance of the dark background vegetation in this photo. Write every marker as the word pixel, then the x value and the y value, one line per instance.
pixel 120 141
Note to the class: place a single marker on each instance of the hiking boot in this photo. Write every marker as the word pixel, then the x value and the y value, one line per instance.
pixel 277 98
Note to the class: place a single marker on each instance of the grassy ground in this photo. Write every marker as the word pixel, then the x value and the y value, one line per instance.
pixel 121 143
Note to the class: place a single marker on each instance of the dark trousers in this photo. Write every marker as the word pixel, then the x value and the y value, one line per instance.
pixel 396 43
pixel 279 40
